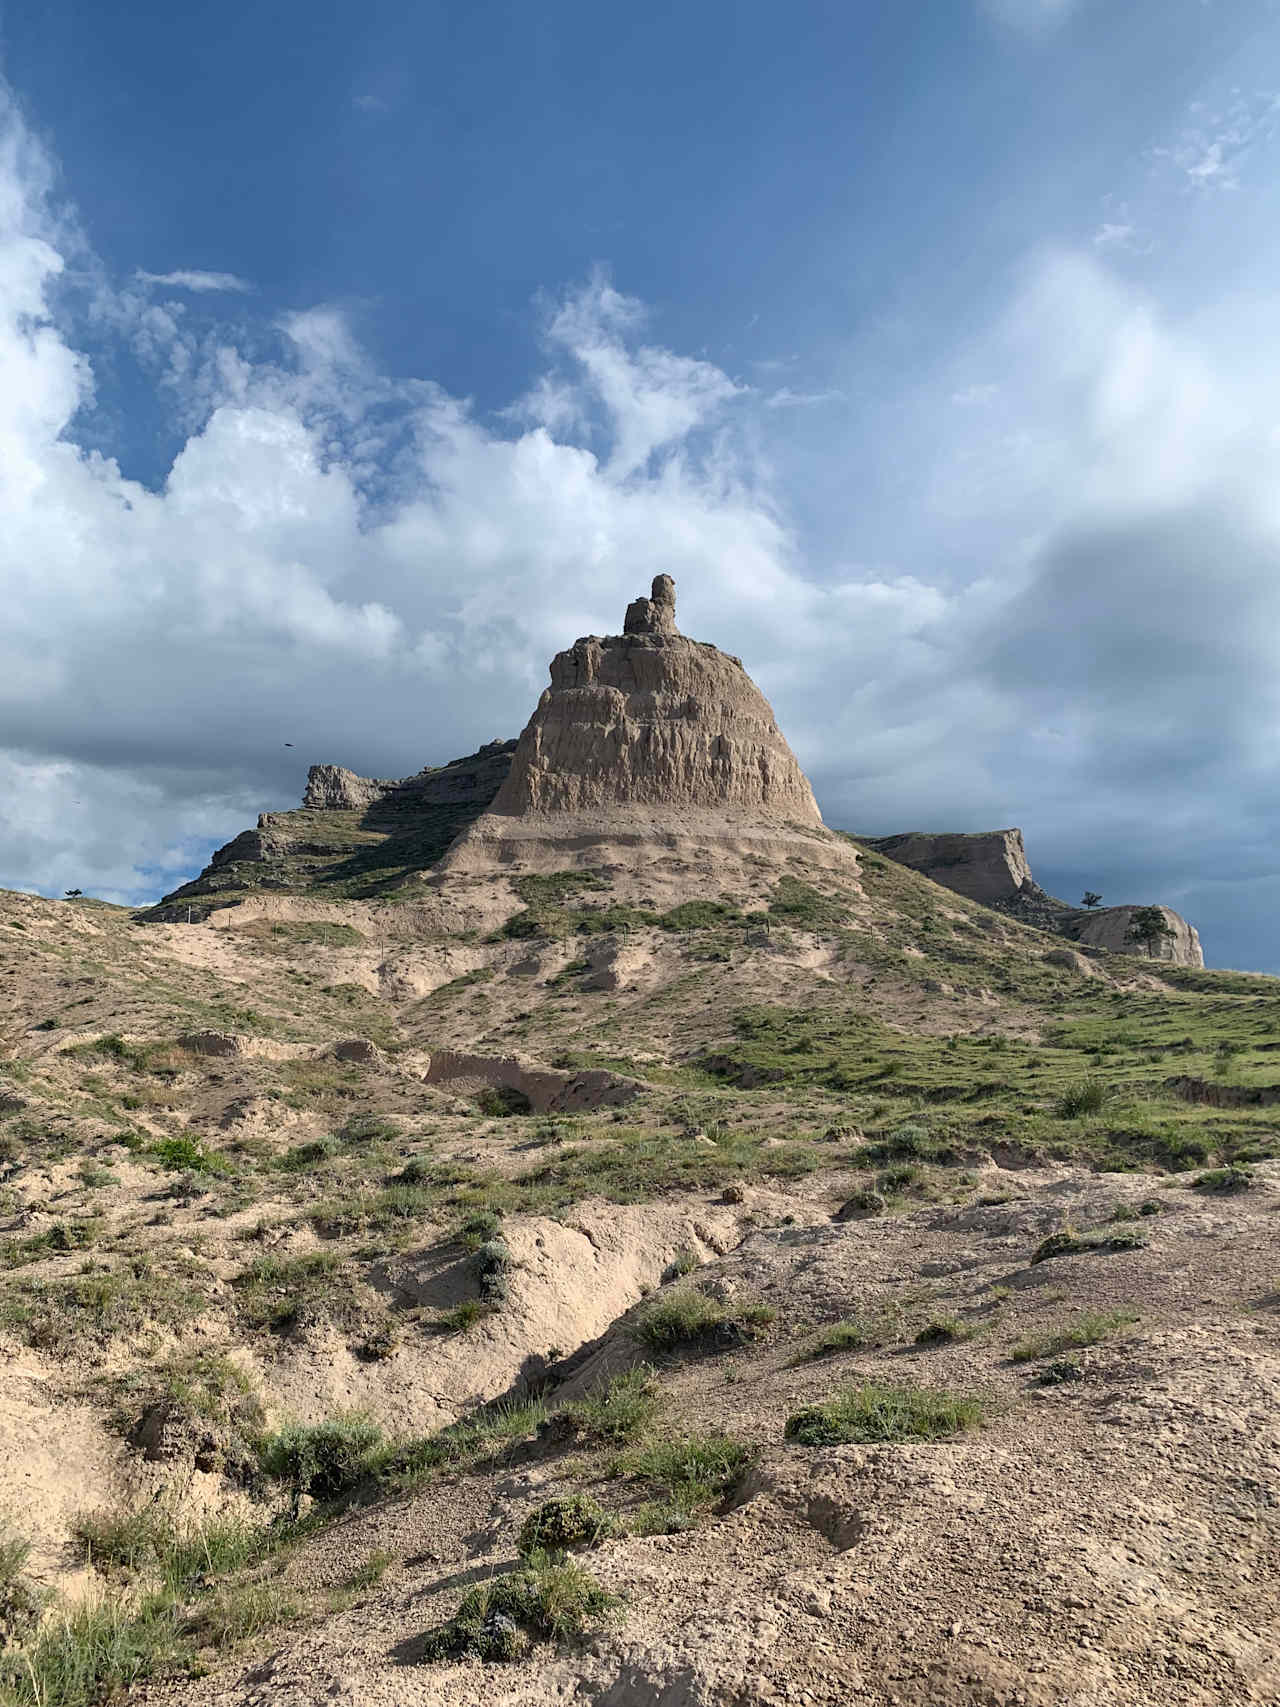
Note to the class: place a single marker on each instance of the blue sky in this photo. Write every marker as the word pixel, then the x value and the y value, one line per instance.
pixel 355 358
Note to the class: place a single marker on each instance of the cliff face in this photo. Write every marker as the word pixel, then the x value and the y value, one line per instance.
pixel 652 754
pixel 653 720
pixel 1111 928
pixel 991 866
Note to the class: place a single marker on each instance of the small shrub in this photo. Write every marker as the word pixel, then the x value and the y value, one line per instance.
pixel 1127 1239
pixel 1070 1243
pixel 862 1206
pixel 277 1291
pixel 875 1413
pixel 897 1179
pixel 301 1156
pixel 144 1542
pixel 546 1599
pixel 324 1459
pixel 491 1260
pixel 572 1520
pixel 503 1101
pixel 1225 1180
pixel 380 1344
pixel 683 1263
pixel 856 1333
pixel 943 1330
pixel 239 1612
pixel 661 1517
pixel 462 1316
pixel 187 1155
pixel 20 1602
pixel 907 1140
pixel 1061 1244
pixel 93 1652
pixel 1060 1371
pixel 477 1229
pixel 370 1572
pixel 369 1129
pixel 693 1470
pixel 1087 1329
pixel 464 1442
pixel 1086 1096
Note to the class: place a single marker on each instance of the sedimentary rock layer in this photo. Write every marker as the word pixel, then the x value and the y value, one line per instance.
pixel 652 719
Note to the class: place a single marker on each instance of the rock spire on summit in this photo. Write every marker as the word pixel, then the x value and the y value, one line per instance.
pixel 657 613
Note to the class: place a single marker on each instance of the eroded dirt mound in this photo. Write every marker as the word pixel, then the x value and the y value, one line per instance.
pixel 529 1086
pixel 1102 1531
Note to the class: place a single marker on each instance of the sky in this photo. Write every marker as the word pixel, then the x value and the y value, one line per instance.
pixel 356 358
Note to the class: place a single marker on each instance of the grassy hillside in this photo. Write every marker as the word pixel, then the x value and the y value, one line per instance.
pixel 255 1266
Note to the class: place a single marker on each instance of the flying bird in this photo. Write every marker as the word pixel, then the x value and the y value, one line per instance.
pixel 288 743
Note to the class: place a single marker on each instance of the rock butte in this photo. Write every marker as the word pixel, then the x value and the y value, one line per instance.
pixel 647 738
pixel 654 757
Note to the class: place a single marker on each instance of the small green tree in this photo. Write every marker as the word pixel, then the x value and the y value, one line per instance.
pixel 1149 927
pixel 1091 898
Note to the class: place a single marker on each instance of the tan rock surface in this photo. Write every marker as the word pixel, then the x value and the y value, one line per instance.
pixel 1108 927
pixel 651 753
pixel 988 866
pixel 650 718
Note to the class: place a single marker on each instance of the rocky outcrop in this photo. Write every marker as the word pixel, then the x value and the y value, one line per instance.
pixel 650 718
pixel 532 1087
pixel 473 780
pixel 991 866
pixel 354 837
pixel 1113 928
pixel 333 788
pixel 657 613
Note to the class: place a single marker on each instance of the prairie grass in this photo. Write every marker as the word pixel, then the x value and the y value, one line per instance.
pixel 617 1412
pixel 1088 1328
pixel 875 1412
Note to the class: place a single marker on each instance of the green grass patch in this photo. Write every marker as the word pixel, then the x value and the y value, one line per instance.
pixel 683 1316
pixel 691 1473
pixel 1225 1180
pixel 943 1330
pixel 1091 1327
pixel 186 1154
pixel 876 1412
pixel 1088 1096
pixel 471 1440
pixel 65 1316
pixel 619 1411
pixel 278 1292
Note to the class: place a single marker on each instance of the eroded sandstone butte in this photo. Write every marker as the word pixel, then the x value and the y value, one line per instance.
pixel 649 742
